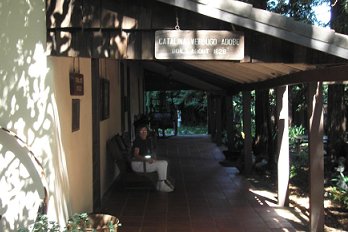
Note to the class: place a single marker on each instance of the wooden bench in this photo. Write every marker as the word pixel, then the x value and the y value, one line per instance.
pixel 127 178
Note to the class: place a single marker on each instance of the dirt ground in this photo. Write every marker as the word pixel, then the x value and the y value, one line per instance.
pixel 336 216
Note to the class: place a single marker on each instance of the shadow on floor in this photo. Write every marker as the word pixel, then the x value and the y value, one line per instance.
pixel 208 197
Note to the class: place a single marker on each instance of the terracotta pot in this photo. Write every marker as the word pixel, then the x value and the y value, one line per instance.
pixel 99 222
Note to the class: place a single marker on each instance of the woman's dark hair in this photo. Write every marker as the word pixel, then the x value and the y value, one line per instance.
pixel 140 127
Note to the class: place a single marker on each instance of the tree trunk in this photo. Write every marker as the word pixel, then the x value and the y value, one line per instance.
pixel 336 108
pixel 260 4
pixel 229 121
pixel 336 119
pixel 271 135
pixel 261 132
pixel 339 17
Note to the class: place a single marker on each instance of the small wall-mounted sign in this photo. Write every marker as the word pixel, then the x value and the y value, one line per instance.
pixel 75 115
pixel 76 84
pixel 104 99
pixel 199 45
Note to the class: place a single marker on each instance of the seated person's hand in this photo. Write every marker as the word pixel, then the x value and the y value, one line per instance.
pixel 150 159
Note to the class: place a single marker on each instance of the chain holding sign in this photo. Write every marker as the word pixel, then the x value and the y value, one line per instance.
pixel 199 45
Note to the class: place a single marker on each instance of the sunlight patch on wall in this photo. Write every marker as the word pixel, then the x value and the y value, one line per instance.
pixel 67 37
pixel 26 108
pixel 39 67
pixel 120 41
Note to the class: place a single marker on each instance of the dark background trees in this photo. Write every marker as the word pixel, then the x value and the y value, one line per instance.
pixel 337 116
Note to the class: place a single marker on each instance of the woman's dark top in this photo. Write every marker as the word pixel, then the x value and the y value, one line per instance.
pixel 145 146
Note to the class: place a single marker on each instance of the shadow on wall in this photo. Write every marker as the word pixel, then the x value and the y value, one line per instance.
pixel 27 107
pixel 28 104
pixel 23 185
pixel 87 17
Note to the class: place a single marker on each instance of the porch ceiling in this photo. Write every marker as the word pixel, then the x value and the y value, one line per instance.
pixel 164 73
pixel 246 73
pixel 229 77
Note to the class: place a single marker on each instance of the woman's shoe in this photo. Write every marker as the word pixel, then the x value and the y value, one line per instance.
pixel 169 184
pixel 162 186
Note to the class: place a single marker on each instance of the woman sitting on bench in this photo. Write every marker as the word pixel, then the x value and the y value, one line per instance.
pixel 144 160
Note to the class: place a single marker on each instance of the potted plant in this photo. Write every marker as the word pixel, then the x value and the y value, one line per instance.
pixel 78 222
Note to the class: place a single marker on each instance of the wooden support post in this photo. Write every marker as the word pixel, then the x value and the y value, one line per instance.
pixel 283 146
pixel 247 132
pixel 316 156
pixel 229 119
pixel 213 116
pixel 210 115
pixel 218 134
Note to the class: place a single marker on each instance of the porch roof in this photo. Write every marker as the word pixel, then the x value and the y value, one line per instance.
pixel 230 76
pixel 245 15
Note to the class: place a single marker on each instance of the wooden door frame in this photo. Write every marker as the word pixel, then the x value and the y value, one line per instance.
pixel 96 134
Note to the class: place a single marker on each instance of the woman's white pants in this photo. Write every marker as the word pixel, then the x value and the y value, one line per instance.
pixel 160 166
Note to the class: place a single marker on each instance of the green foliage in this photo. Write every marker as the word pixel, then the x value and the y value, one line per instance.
pixel 237 102
pixel 339 196
pixel 299 10
pixel 293 171
pixel 180 98
pixel 299 162
pixel 186 130
pixel 299 156
pixel 341 181
pixel 77 223
pixel 272 98
pixel 340 17
pixel 190 130
pixel 297 97
pixel 339 191
pixel 42 225
pixel 303 11
pixel 192 104
pixel 294 132
pixel 237 105
pixel 236 141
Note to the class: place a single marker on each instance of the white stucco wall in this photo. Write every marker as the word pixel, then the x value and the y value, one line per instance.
pixel 27 104
pixel 35 104
pixel 73 162
pixel 112 125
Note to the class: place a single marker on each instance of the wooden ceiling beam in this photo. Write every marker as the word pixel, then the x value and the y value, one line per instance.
pixel 335 73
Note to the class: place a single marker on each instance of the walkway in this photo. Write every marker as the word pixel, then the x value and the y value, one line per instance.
pixel 208 197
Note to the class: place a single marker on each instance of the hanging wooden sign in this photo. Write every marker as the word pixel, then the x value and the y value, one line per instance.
pixel 76 84
pixel 199 45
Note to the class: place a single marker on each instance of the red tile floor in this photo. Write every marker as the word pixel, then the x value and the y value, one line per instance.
pixel 207 198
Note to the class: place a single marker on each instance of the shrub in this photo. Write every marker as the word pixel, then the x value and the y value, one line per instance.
pixel 339 192
pixel 294 132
